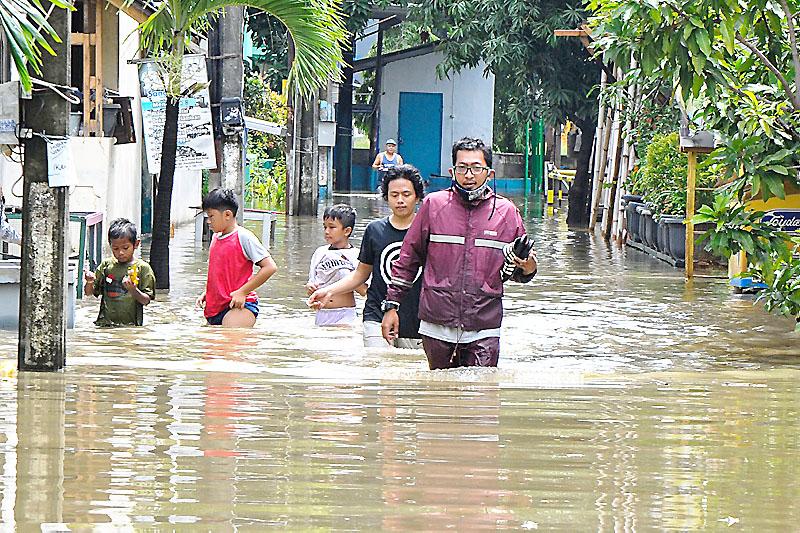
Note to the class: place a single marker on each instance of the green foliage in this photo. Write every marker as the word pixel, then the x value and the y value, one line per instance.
pixel 736 68
pixel 782 293
pixel 770 252
pixel 730 63
pixel 27 32
pixel 661 177
pixel 270 35
pixel 540 75
pixel 267 187
pixel 316 28
pixel 649 118
pixel 737 229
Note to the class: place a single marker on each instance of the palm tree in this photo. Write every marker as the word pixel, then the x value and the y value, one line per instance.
pixel 317 30
pixel 26 31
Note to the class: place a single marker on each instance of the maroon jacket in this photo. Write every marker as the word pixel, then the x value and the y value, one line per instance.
pixel 459 248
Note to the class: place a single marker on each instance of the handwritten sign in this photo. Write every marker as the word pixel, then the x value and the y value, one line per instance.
pixel 60 169
pixel 195 147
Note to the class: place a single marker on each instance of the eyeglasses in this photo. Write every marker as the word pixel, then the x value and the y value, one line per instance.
pixel 476 170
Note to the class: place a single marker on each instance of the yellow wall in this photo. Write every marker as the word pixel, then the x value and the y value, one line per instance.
pixel 738 263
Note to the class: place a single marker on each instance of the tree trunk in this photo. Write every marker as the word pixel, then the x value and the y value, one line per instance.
pixel 162 209
pixel 580 192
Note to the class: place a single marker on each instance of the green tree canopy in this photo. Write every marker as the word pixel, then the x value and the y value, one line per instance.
pixel 26 30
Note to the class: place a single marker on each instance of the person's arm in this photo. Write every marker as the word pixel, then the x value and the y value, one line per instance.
pixel 412 256
pixel 94 281
pixel 404 271
pixel 88 283
pixel 377 163
pixel 399 159
pixel 362 289
pixel 134 291
pixel 258 254
pixel 144 292
pixel 352 282
pixel 528 265
pixel 266 271
pixel 310 285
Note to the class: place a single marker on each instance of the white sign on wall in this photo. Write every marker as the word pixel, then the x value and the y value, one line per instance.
pixel 60 169
pixel 195 149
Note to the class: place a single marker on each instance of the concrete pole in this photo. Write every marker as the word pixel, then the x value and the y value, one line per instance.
pixel 228 82
pixel 302 182
pixel 45 214
pixel 343 151
pixel 309 162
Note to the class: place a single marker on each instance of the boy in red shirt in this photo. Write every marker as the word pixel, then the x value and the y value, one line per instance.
pixel 229 299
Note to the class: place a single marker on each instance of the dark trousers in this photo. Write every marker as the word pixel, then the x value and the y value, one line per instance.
pixel 441 354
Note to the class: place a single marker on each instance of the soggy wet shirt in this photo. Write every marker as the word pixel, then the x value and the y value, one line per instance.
pixel 380 247
pixel 117 306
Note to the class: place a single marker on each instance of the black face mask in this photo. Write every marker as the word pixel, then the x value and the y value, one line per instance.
pixel 470 195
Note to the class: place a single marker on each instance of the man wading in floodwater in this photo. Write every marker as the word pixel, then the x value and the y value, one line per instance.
pixel 462 238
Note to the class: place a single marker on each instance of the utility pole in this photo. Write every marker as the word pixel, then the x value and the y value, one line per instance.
pixel 308 157
pixel 374 142
pixel 343 151
pixel 45 214
pixel 227 82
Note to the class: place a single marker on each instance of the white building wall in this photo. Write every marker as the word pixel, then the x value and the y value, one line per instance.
pixel 109 175
pixel 467 100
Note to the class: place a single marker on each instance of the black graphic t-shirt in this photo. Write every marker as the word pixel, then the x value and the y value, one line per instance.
pixel 380 247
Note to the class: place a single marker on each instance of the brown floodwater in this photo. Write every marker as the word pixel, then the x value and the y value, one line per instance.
pixel 625 400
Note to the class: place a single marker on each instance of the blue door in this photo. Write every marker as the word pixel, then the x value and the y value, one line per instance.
pixel 419 135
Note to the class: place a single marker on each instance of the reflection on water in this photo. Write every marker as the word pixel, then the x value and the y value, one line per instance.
pixel 624 400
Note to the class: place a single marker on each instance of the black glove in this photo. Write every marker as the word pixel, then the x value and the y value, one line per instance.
pixel 520 248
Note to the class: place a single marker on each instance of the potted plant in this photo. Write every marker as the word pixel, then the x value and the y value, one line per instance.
pixel 662 178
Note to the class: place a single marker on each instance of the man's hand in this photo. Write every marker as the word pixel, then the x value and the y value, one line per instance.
pixel 390 325
pixel 201 301
pixel 238 299
pixel 319 298
pixel 310 288
pixel 529 265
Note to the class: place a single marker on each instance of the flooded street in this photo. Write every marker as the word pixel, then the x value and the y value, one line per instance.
pixel 625 400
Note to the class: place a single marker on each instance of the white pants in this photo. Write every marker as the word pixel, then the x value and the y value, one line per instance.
pixel 374 339
pixel 342 316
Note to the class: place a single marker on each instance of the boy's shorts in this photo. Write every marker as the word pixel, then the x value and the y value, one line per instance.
pixel 342 316
pixel 216 320
pixel 373 338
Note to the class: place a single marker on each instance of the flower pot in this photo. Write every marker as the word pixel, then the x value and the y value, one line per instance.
pixel 632 220
pixel 647 227
pixel 662 236
pixel 651 232
pixel 643 213
pixel 675 236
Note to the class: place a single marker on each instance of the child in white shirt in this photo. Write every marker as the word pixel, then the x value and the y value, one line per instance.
pixel 334 261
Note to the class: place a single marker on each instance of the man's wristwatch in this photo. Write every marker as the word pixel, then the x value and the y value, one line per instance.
pixel 388 304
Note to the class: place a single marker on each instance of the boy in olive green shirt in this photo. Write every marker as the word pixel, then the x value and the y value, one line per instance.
pixel 124 284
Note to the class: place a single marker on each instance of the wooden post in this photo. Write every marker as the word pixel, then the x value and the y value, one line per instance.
pixel 608 212
pixel 45 213
pixel 600 171
pixel 691 184
pixel 98 66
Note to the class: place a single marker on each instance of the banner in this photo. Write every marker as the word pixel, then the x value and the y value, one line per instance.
pixel 195 149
